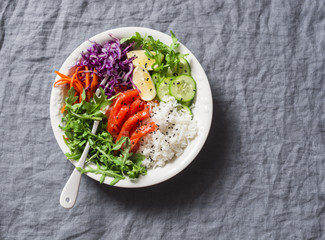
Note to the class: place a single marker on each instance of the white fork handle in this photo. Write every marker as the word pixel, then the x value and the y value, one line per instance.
pixel 70 191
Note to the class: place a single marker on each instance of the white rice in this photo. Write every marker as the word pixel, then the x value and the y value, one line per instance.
pixel 176 130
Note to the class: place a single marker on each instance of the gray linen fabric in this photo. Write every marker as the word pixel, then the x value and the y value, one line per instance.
pixel 259 176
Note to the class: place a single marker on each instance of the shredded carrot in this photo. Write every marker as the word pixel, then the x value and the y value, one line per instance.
pixel 87 77
pixel 61 75
pixel 60 82
pixel 88 96
pixel 72 79
pixel 78 86
pixel 81 79
pixel 63 109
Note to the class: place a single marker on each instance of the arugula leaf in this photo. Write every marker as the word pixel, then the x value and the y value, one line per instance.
pixel 71 97
pixel 119 143
pixel 112 159
pixel 83 95
pixel 100 170
pixel 175 44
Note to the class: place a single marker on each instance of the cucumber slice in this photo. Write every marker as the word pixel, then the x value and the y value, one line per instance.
pixel 183 88
pixel 163 88
pixel 186 109
pixel 171 73
pixel 155 78
pixel 183 68
pixel 188 103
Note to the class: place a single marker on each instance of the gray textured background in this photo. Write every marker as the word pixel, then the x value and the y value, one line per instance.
pixel 261 172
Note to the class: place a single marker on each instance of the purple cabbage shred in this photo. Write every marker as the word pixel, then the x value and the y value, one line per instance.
pixel 111 62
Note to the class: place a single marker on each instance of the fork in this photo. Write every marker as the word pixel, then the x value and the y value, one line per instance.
pixel 70 191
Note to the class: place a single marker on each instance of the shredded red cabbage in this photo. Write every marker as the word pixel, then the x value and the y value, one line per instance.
pixel 111 62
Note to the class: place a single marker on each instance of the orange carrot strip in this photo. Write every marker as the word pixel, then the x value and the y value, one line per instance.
pixel 68 79
pixel 61 75
pixel 71 83
pixel 95 78
pixel 63 109
pixel 77 83
pixel 73 77
pixel 59 82
pixel 88 96
pixel 87 78
pixel 78 88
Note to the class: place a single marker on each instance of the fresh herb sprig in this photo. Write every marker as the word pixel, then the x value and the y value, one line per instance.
pixel 165 56
pixel 112 159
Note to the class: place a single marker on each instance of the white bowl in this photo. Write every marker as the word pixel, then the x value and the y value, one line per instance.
pixel 202 111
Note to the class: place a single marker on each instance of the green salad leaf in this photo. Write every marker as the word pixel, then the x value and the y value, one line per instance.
pixel 112 159
pixel 165 56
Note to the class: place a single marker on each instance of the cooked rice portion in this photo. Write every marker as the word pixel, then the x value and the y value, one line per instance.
pixel 176 130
